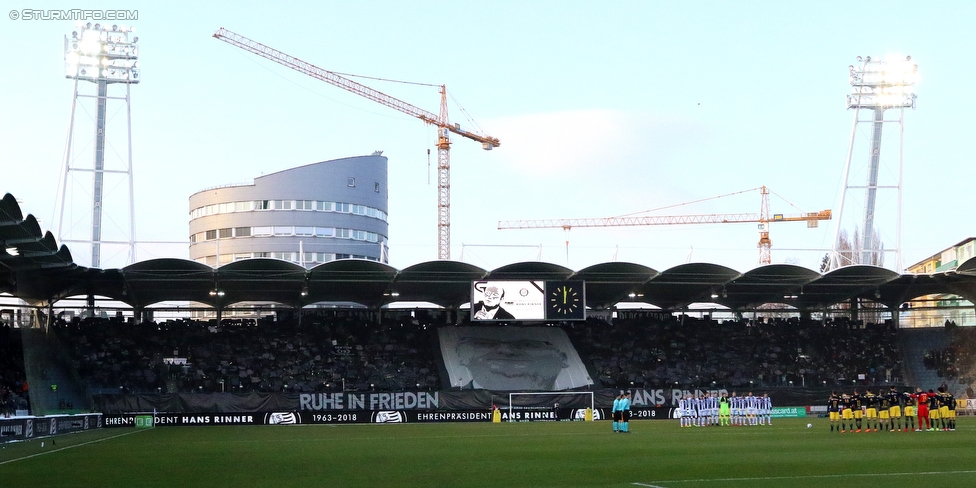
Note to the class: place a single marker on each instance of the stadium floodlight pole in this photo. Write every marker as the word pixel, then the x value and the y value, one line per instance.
pixel 104 55
pixel 877 85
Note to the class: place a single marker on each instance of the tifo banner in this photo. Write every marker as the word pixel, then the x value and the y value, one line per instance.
pixel 507 358
pixel 30 427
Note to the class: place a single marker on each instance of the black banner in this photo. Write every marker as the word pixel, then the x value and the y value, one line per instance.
pixel 304 418
pixel 382 417
pixel 444 400
pixel 452 400
pixel 30 427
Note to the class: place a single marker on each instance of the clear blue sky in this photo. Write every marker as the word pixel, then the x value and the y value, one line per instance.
pixel 602 109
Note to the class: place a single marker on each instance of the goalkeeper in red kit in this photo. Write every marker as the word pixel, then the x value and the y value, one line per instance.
pixel 922 400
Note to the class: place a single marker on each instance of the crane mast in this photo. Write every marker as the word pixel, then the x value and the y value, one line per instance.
pixel 441 121
pixel 762 218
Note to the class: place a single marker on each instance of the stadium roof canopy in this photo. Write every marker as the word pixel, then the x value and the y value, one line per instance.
pixel 34 268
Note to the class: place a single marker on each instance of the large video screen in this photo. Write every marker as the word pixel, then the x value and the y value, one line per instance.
pixel 501 301
pixel 507 300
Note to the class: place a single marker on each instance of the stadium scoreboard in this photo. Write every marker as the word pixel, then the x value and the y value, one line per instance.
pixel 531 300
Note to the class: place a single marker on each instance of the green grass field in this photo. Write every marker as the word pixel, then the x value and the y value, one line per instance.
pixel 656 453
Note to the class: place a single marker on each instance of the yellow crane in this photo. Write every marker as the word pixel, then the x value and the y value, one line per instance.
pixel 762 218
pixel 444 126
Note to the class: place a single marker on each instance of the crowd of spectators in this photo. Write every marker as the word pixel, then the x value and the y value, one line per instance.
pixel 14 389
pixel 771 352
pixel 957 361
pixel 328 352
pixel 354 350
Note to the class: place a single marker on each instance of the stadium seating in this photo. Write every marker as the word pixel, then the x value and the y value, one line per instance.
pixel 952 360
pixel 738 354
pixel 324 353
pixel 333 350
pixel 12 374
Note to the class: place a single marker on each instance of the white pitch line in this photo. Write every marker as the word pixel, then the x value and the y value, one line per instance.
pixel 647 485
pixel 68 447
pixel 772 478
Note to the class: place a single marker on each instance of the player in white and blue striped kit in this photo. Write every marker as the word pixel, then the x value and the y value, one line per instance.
pixel 765 410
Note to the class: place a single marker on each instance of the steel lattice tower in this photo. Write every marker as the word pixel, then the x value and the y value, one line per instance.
pixel 106 57
pixel 877 86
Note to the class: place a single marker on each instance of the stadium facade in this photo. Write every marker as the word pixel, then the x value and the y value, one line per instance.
pixel 307 215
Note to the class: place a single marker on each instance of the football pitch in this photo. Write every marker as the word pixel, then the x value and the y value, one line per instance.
pixel 656 454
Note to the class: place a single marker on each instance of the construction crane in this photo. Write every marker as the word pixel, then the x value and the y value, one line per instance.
pixel 762 218
pixel 444 126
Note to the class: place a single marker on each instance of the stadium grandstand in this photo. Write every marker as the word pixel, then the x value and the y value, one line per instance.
pixel 790 331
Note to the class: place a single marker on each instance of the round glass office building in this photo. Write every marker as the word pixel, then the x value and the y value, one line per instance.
pixel 306 215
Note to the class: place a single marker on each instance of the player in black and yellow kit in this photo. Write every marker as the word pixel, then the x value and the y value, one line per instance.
pixel 870 401
pixel 833 410
pixel 911 404
pixel 933 409
pixel 884 406
pixel 846 413
pixel 856 409
pixel 894 408
pixel 950 412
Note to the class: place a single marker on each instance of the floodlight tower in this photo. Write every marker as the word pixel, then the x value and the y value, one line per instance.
pixel 877 85
pixel 105 56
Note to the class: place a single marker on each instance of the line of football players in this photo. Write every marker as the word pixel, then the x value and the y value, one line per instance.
pixel 892 411
pixel 708 409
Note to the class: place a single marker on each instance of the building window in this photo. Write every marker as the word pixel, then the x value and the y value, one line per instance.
pixel 304 231
pixel 376 187
pixel 324 231
pixel 261 231
pixel 288 205
pixel 351 182
pixel 211 235
pixel 242 232
pixel 284 230
pixel 225 233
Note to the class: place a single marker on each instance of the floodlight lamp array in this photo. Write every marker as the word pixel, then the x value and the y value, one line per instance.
pixel 883 83
pixel 100 53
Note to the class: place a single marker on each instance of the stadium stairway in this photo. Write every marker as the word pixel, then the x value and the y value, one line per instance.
pixel 914 343
pixel 46 363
